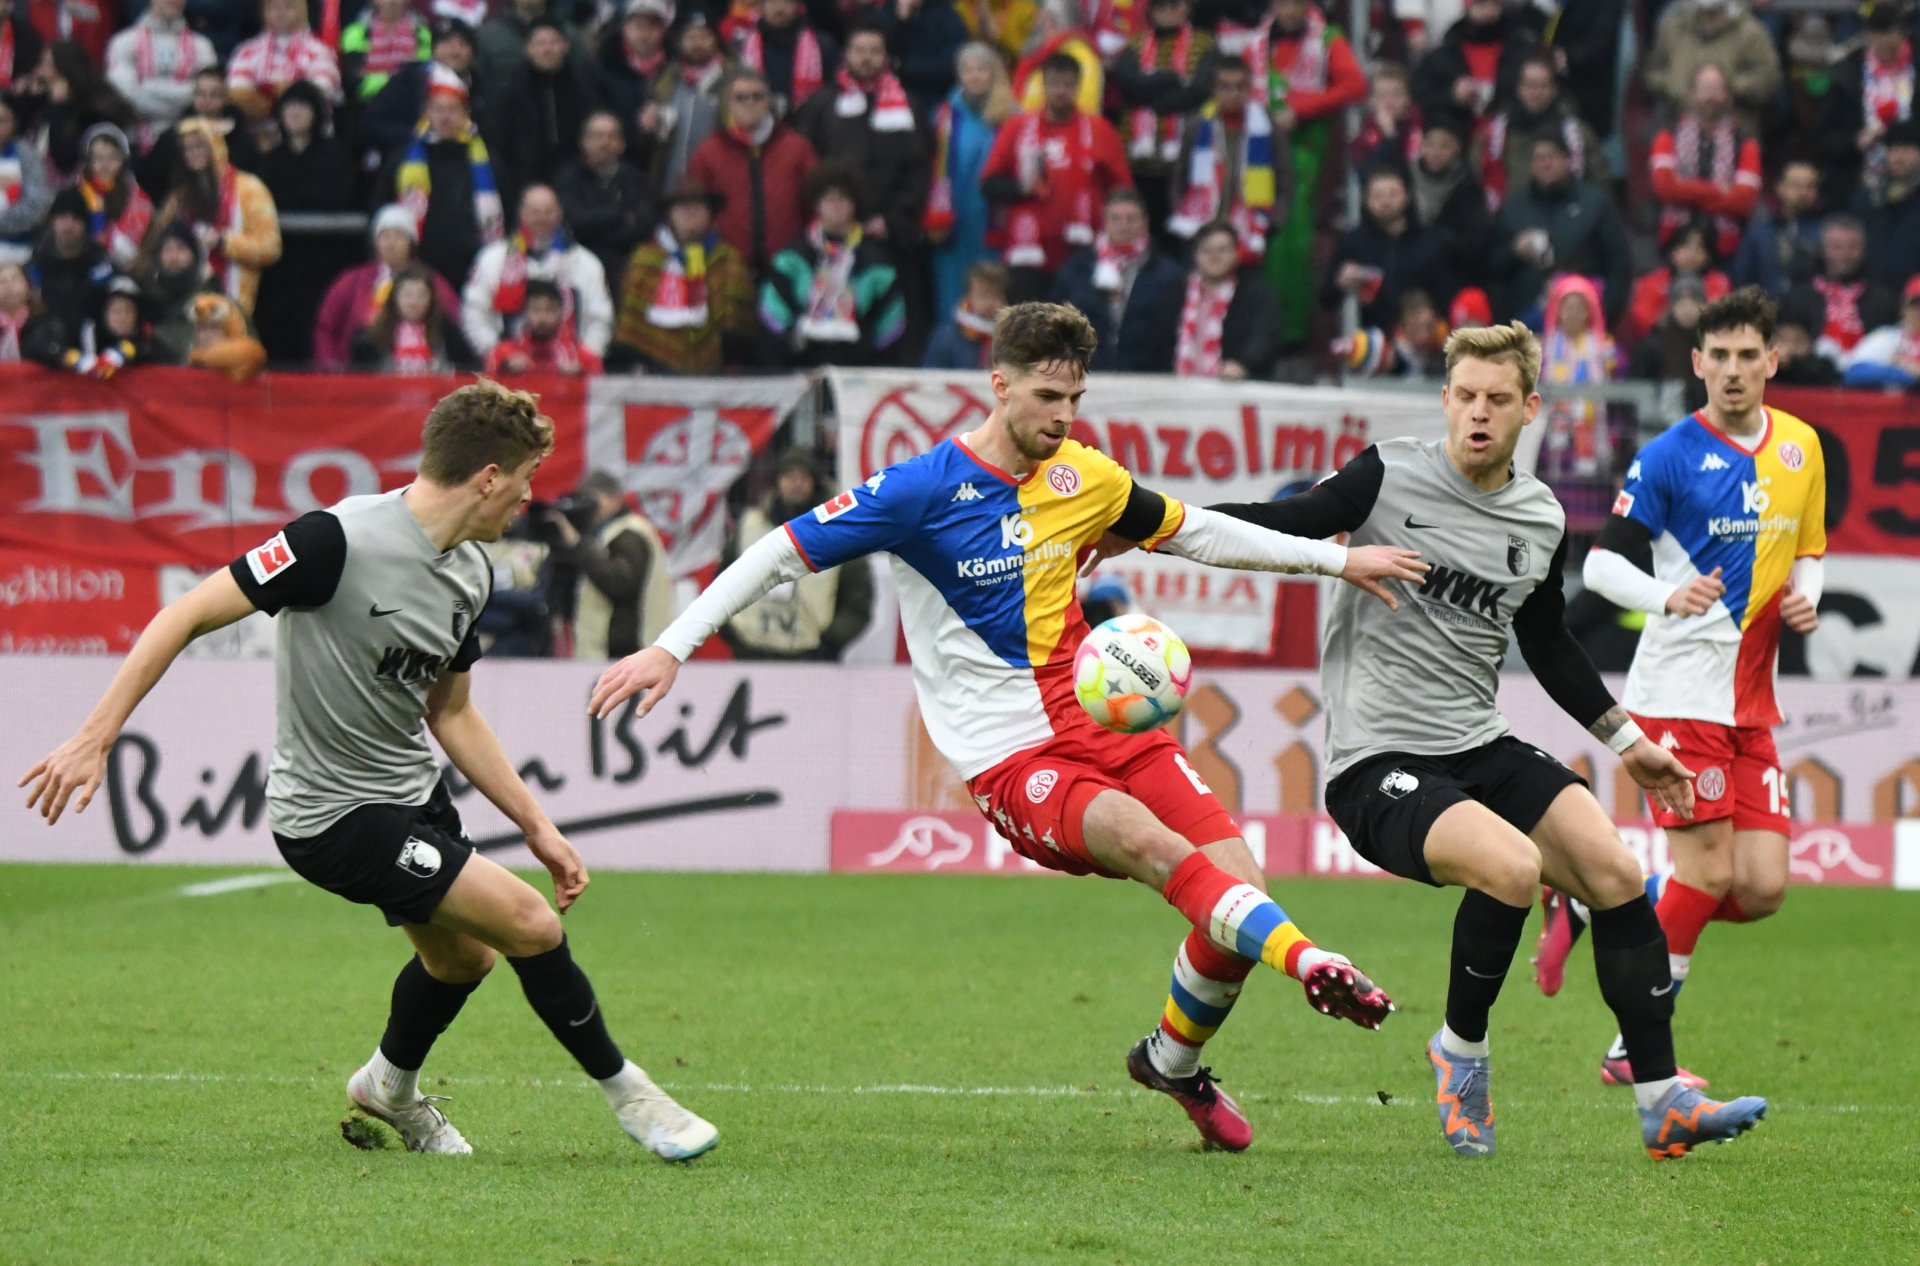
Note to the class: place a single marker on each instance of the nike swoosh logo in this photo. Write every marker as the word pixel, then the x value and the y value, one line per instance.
pixel 1424 527
pixel 376 612
pixel 1482 975
pixel 588 1016
pixel 1658 993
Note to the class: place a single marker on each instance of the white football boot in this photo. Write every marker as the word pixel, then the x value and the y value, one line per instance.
pixel 650 1115
pixel 420 1124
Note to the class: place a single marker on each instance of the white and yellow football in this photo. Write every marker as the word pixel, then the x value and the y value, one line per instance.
pixel 1132 674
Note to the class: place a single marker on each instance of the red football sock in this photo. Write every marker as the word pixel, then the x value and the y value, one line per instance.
pixel 1195 888
pixel 1729 911
pixel 1684 913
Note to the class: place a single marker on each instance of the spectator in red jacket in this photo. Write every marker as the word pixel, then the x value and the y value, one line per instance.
pixel 1051 170
pixel 1707 164
pixel 1689 257
pixel 545 343
pixel 759 167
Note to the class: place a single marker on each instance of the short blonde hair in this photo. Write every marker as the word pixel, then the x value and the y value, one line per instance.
pixel 479 425
pixel 1512 344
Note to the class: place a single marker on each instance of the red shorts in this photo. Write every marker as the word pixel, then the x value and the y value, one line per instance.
pixel 1736 773
pixel 1038 797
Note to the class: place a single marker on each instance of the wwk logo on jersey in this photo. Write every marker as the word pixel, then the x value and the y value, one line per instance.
pixel 1015 532
pixel 1468 592
pixel 827 511
pixel 269 560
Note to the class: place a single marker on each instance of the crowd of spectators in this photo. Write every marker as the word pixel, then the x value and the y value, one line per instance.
pixel 698 186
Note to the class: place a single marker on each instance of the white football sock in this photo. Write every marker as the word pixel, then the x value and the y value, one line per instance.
pixel 1170 1058
pixel 1678 965
pixel 396 1085
pixel 625 1084
pixel 1648 1093
pixel 1453 1044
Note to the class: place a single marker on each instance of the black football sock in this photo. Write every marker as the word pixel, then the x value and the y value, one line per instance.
pixel 1630 957
pixel 423 1007
pixel 1486 934
pixel 559 993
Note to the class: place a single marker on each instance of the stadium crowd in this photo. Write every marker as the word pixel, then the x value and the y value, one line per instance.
pixel 691 186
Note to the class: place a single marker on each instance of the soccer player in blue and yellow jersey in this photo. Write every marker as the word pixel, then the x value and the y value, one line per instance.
pixel 983 533
pixel 1718 536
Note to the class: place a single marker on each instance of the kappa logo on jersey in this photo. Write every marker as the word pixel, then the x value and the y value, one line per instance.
pixel 1633 471
pixel 1063 479
pixel 1041 784
pixel 1467 592
pixel 1015 532
pixel 967 492
pixel 1791 456
pixel 1399 783
pixel 1623 504
pixel 1519 555
pixel 1713 461
pixel 1668 741
pixel 827 511
pixel 1712 783
pixel 417 857
pixel 269 560
pixel 879 477
pixel 403 666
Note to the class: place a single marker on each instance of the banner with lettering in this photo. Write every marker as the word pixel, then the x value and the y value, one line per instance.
pixel 119 494
pixel 1200 440
pixel 1871 441
pixel 815 767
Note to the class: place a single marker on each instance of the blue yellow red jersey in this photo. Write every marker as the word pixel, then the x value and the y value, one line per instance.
pixel 984 564
pixel 1709 502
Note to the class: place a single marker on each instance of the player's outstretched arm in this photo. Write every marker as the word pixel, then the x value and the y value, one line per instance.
pixel 1207 536
pixel 76 765
pixel 649 673
pixel 474 749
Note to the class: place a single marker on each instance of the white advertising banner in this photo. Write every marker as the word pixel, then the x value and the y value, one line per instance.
pixel 1197 439
pixel 811 766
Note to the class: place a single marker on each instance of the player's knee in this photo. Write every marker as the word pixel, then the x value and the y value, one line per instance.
pixel 1613 879
pixel 460 965
pixel 1759 898
pixel 532 929
pixel 1510 875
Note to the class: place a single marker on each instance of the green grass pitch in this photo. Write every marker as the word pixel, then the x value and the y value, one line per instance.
pixel 918 1069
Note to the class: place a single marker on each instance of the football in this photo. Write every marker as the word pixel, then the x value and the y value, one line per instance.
pixel 1132 674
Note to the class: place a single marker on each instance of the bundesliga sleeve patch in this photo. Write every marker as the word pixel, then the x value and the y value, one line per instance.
pixel 827 511
pixel 1623 503
pixel 269 560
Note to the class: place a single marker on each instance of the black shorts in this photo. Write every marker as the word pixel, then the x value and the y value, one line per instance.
pixel 1386 804
pixel 400 857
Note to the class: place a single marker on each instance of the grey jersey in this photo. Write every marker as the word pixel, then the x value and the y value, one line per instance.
pixel 369 615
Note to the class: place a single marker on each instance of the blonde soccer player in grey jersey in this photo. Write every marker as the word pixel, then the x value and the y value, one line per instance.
pixel 375 601
pixel 1425 777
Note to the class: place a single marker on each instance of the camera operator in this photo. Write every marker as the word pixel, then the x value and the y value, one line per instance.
pixel 612 564
pixel 815 616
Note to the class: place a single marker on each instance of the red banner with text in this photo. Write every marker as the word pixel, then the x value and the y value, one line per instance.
pixel 1871 442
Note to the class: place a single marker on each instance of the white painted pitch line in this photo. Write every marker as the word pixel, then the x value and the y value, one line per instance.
pixel 238 883
pixel 900 1088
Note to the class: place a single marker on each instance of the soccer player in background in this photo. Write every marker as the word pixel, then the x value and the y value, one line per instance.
pixel 1426 778
pixel 1718 535
pixel 376 601
pixel 984 531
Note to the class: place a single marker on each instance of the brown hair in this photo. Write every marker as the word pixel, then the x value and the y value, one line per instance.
pixel 990 273
pixel 1512 344
pixel 482 424
pixel 1748 305
pixel 385 322
pixel 1029 335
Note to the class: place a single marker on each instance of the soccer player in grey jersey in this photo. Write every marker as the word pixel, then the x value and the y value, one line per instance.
pixel 1425 777
pixel 376 602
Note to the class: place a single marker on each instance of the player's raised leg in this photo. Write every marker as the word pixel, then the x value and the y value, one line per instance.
pixel 1582 855
pixel 495 907
pixel 1124 836
pixel 427 995
pixel 1472 847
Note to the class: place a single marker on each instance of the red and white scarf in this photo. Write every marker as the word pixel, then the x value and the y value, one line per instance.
pixel 511 294
pixel 976 328
pixel 645 67
pixel 809 68
pixel 1721 166
pixel 1250 207
pixel 1024 231
pixel 1203 319
pixel 561 352
pixel 11 323
pixel 227 219
pixel 891 111
pixel 412 351
pixel 1886 88
pixel 1111 262
pixel 1150 135
pixel 1306 71
pixel 832 316
pixel 680 298
pixel 1843 325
